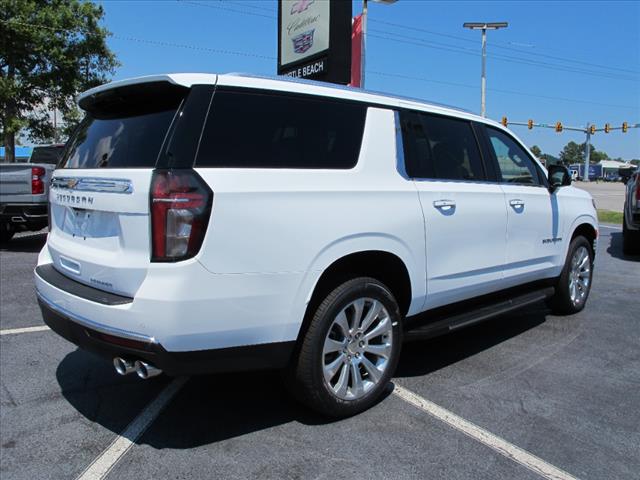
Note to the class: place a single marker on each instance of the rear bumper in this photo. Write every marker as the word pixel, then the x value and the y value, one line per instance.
pixel 29 215
pixel 110 342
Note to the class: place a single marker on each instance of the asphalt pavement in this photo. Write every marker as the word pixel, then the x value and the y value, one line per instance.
pixel 562 390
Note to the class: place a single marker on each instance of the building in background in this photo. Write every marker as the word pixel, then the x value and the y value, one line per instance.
pixel 22 153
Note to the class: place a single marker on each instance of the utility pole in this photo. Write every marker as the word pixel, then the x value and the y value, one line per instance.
pixel 587 153
pixel 483 85
pixel 364 34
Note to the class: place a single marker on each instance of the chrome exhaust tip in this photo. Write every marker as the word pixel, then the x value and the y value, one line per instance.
pixel 146 370
pixel 123 367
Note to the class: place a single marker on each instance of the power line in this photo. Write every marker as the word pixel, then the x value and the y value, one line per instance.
pixel 457 48
pixel 508 58
pixel 222 7
pixel 246 4
pixel 248 54
pixel 158 43
pixel 497 90
pixel 497 44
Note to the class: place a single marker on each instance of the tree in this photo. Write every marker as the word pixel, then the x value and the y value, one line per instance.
pixel 536 151
pixel 49 51
pixel 574 153
pixel 550 159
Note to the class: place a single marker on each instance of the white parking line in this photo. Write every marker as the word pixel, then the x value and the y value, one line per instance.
pixel 613 228
pixel 483 436
pixel 13 331
pixel 102 465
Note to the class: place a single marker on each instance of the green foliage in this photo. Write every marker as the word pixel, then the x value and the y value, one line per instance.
pixel 536 151
pixel 50 50
pixel 550 159
pixel 574 153
pixel 607 216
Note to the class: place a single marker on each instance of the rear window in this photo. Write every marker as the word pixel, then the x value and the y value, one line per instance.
pixel 49 154
pixel 269 130
pixel 124 127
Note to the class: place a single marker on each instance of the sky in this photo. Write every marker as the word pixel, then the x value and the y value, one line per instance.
pixel 569 61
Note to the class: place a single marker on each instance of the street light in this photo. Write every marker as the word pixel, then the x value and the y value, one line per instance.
pixel 364 34
pixel 484 27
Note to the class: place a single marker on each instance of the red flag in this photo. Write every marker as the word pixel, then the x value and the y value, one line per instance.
pixel 356 52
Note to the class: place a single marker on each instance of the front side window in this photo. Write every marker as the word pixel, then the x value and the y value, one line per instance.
pixel 440 148
pixel 270 130
pixel 514 164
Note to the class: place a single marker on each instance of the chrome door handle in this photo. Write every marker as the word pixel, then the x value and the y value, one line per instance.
pixel 444 203
pixel 516 203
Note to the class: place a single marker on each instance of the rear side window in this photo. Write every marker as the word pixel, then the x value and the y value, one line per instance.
pixel 124 128
pixel 440 148
pixel 269 130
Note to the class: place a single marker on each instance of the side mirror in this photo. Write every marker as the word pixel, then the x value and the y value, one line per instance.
pixel 559 176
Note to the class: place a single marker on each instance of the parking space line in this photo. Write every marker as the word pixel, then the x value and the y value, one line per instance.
pixel 483 436
pixel 609 226
pixel 102 465
pixel 13 331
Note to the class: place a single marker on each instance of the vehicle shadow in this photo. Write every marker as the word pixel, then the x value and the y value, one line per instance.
pixel 615 248
pixel 28 243
pixel 214 408
pixel 208 409
pixel 427 356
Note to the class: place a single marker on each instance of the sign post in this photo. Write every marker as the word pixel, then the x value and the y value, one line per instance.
pixel 314 39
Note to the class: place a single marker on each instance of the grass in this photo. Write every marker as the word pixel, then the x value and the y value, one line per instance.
pixel 607 216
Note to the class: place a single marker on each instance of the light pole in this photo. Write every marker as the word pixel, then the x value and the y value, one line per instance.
pixel 364 34
pixel 484 27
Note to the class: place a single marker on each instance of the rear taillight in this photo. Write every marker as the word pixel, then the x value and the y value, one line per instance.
pixel 180 210
pixel 37 180
pixel 638 187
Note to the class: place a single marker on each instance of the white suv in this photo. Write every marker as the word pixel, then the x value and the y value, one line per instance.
pixel 204 223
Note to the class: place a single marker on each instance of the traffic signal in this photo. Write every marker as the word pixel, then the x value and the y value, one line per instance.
pixel 558 127
pixel 504 121
pixel 530 124
pixel 607 128
pixel 592 129
pixel 625 127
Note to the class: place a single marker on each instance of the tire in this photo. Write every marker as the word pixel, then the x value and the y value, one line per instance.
pixel 330 345
pixel 574 284
pixel 630 240
pixel 6 232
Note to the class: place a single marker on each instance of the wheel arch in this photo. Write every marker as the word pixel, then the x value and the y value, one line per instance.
pixel 586 227
pixel 382 265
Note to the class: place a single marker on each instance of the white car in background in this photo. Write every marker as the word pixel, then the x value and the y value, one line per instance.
pixel 204 223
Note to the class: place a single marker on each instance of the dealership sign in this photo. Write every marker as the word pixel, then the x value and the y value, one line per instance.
pixel 314 39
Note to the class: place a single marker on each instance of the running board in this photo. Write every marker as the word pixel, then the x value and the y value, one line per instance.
pixel 441 325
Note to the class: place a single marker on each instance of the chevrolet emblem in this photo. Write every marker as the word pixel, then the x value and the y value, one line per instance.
pixel 71 183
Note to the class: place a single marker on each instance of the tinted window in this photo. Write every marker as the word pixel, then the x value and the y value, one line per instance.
pixel 50 154
pixel 255 130
pixel 514 164
pixel 440 148
pixel 119 142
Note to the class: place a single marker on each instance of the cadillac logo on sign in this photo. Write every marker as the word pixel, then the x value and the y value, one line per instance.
pixel 303 42
pixel 301 6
